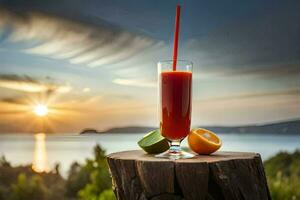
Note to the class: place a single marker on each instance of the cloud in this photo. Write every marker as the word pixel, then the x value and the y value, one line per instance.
pixel 86 44
pixel 134 82
pixel 29 84
pixel 79 43
pixel 86 89
pixel 13 100
pixel 293 93
pixel 265 71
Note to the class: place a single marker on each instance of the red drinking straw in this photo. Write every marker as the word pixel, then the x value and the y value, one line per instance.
pixel 176 34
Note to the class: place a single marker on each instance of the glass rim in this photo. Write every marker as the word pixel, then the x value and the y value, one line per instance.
pixel 180 60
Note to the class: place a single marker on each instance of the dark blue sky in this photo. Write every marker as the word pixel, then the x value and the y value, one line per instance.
pixel 101 54
pixel 155 18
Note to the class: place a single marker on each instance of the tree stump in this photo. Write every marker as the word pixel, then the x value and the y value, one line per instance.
pixel 222 175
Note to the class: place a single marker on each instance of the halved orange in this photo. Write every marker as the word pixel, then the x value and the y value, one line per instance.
pixel 203 141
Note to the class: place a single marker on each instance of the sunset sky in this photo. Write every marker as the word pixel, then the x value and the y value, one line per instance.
pixel 94 62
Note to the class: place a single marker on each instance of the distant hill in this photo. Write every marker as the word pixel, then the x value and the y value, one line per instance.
pixel 89 131
pixel 130 129
pixel 126 129
pixel 288 127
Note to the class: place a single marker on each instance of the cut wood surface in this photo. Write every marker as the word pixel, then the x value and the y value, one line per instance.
pixel 222 175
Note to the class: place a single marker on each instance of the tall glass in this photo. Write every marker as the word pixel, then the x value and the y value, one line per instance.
pixel 175 105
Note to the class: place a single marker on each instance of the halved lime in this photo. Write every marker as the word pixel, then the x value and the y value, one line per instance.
pixel 154 143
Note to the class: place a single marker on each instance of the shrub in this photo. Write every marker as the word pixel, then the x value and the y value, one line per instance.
pixel 283 174
pixel 28 189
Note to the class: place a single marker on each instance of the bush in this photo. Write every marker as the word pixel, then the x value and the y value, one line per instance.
pixel 28 189
pixel 78 178
pixel 2 193
pixel 107 195
pixel 283 174
pixel 88 181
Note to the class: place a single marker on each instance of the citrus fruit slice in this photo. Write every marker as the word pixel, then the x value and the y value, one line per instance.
pixel 154 143
pixel 203 141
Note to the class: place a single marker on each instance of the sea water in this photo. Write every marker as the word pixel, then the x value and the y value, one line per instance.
pixel 45 150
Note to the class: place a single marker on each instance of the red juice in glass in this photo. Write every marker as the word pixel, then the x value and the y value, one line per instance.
pixel 175 105
pixel 176 90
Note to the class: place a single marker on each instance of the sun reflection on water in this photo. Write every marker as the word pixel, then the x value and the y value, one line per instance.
pixel 40 161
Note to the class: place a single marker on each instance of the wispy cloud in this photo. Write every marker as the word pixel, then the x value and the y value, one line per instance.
pixel 86 89
pixel 79 43
pixel 134 82
pixel 29 84
pixel 293 93
pixel 264 71
pixel 13 100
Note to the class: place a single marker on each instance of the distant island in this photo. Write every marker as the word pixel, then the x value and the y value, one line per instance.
pixel 127 129
pixel 287 127
pixel 89 131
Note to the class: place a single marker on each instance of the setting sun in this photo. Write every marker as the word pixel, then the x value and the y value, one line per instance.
pixel 40 110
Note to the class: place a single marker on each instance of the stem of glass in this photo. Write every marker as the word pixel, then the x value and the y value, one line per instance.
pixel 175 149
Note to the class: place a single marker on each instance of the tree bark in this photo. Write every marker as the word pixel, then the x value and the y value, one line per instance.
pixel 222 175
